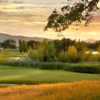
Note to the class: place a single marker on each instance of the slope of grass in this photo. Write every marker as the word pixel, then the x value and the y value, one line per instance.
pixel 27 75
pixel 84 90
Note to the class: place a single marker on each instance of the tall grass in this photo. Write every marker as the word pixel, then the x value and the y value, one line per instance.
pixel 74 67
pixel 84 90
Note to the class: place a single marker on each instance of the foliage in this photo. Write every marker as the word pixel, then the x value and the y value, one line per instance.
pixel 88 56
pixel 72 54
pixel 9 43
pixel 74 13
pixel 25 46
pixel 40 54
pixel 30 43
pixel 63 56
pixel 34 46
pixel 51 52
pixel 33 54
pixel 98 57
pixel 81 56
pixel 36 54
pixel 98 49
pixel 20 46
pixel 37 46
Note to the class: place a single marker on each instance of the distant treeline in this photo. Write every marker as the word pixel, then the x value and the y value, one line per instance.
pixel 60 45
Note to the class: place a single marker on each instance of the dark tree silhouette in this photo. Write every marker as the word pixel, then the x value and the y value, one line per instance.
pixel 80 11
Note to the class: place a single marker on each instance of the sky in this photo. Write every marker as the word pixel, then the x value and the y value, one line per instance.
pixel 29 18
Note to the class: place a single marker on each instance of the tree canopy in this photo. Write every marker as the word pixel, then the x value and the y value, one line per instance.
pixel 76 13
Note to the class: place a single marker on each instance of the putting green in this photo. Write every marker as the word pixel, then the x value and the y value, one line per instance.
pixel 25 75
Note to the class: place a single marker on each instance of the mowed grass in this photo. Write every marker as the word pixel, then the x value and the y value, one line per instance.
pixel 8 53
pixel 84 90
pixel 27 75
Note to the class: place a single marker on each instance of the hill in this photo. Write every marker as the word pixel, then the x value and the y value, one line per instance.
pixel 4 37
pixel 90 40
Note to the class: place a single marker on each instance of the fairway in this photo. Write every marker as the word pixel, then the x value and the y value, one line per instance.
pixel 27 75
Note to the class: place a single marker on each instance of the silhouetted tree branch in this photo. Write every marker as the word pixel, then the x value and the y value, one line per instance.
pixel 80 11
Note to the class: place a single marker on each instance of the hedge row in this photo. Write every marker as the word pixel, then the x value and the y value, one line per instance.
pixel 74 67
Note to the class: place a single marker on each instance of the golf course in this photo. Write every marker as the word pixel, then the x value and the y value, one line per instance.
pixel 28 75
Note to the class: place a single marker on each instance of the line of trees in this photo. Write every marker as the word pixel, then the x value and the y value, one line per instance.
pixel 24 45
pixel 58 51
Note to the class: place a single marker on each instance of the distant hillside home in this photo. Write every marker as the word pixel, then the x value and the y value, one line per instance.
pixel 1 48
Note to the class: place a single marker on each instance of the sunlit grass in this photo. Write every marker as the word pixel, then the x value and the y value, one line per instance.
pixel 27 75
pixel 84 90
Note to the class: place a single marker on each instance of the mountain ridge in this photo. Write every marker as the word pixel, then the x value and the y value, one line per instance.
pixel 90 40
pixel 4 37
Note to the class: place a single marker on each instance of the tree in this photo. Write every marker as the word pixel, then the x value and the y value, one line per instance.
pixel 33 54
pixel 34 46
pixel 9 43
pixel 51 52
pixel 89 55
pixel 72 54
pixel 30 43
pixel 44 45
pixel 20 46
pixel 40 54
pixel 37 46
pixel 72 14
pixel 98 49
pixel 63 56
pixel 25 46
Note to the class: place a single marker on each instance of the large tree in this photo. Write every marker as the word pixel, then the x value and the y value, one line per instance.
pixel 9 43
pixel 76 13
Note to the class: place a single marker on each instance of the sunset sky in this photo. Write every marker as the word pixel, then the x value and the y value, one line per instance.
pixel 29 17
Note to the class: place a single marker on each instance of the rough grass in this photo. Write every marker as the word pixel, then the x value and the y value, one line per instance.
pixel 27 75
pixel 84 90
